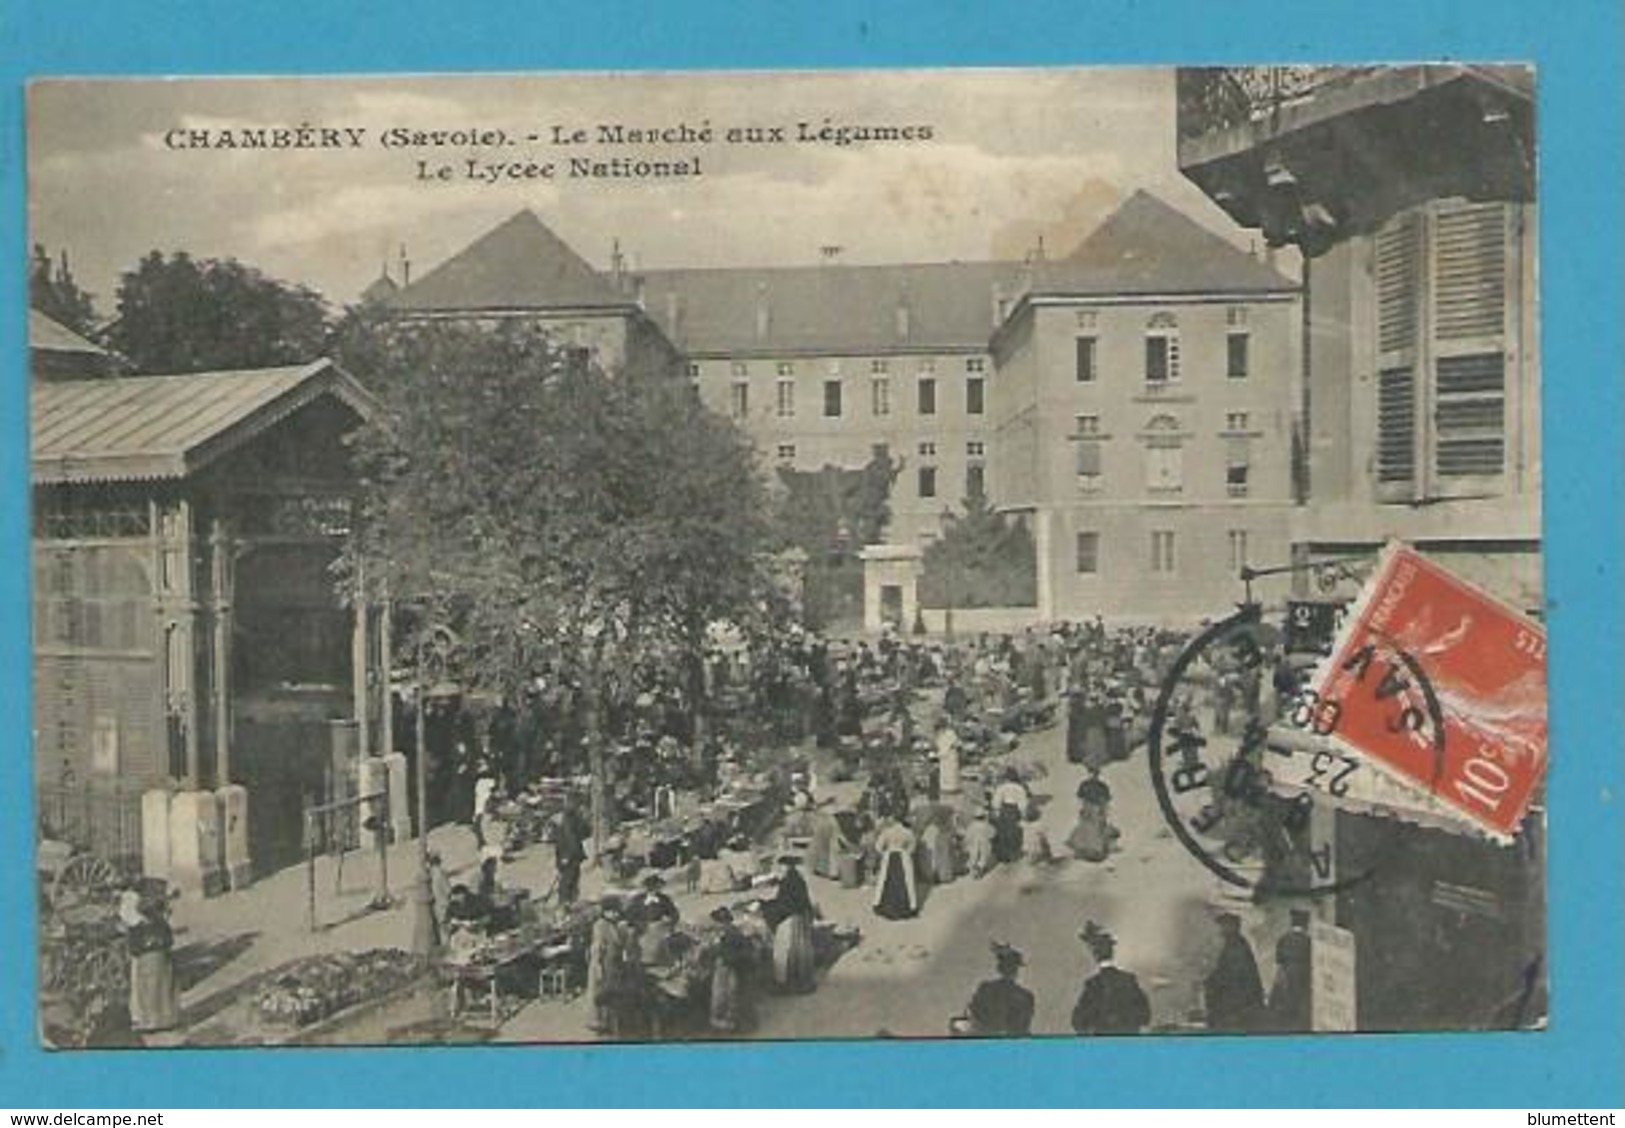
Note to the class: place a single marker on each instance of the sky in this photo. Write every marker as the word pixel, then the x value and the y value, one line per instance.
pixel 1015 156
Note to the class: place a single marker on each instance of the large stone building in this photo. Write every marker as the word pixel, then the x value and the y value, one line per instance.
pixel 1134 402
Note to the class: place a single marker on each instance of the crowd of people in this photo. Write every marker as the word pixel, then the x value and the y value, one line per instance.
pixel 893 764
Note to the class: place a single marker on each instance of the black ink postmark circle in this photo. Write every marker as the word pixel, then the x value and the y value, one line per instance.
pixel 1214 781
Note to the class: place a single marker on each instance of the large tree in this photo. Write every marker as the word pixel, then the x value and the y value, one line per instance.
pixel 180 314
pixel 552 513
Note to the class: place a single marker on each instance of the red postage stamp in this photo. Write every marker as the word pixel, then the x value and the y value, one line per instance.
pixel 1443 685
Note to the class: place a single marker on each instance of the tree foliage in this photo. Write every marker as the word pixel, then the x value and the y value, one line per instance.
pixel 53 291
pixel 983 559
pixel 550 512
pixel 836 509
pixel 180 314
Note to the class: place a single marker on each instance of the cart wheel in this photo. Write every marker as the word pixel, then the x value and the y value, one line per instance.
pixel 85 879
pixel 54 969
pixel 106 970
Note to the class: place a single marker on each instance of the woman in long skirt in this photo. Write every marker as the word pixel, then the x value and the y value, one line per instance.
pixel 730 971
pixel 897 894
pixel 790 915
pixel 605 960
pixel 154 1004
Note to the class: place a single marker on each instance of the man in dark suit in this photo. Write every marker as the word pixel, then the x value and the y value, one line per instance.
pixel 1290 998
pixel 1112 1001
pixel 1001 1007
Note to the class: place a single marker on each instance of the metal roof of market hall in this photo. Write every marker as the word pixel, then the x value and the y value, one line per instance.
pixel 144 428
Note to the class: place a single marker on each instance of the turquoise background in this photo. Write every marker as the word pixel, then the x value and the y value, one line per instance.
pixel 1578 1062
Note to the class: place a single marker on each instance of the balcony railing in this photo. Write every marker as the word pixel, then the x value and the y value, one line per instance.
pixel 1215 98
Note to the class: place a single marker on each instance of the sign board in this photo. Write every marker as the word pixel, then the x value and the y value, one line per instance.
pixel 1332 977
pixel 104 745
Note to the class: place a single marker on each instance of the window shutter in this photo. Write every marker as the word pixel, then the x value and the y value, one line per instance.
pixel 1396 425
pixel 1398 264
pixel 1469 262
pixel 1469 255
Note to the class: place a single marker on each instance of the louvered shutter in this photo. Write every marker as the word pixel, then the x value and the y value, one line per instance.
pixel 1398 299
pixel 1469 308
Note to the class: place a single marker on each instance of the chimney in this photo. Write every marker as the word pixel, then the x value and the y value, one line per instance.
pixel 674 315
pixel 904 325
pixel 406 267
pixel 617 266
pixel 763 313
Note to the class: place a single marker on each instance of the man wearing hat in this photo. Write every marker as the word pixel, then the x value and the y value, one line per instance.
pixel 1001 1007
pixel 1290 998
pixel 1112 1001
pixel 1232 993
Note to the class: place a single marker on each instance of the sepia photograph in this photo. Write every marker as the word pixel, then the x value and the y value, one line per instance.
pixel 761 556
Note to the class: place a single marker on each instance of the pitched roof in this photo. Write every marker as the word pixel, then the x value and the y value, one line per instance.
pixel 137 428
pixel 49 335
pixel 1148 247
pixel 831 308
pixel 519 264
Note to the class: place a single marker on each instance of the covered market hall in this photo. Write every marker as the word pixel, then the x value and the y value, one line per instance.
pixel 196 674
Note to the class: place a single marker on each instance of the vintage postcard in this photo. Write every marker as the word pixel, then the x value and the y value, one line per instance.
pixel 654 557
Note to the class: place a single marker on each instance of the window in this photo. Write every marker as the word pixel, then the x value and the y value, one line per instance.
pixel 928 395
pixel 1086 319
pixel 1162 551
pixel 832 399
pixel 739 399
pixel 928 481
pixel 787 368
pixel 975 395
pixel 1236 467
pixel 1162 349
pixel 1235 316
pixel 928 450
pixel 1444 337
pixel 1088 453
pixel 1164 456
pixel 1088 554
pixel 1235 421
pixel 976 448
pixel 975 480
pixel 1236 355
pixel 880 395
pixel 785 399
pixel 975 364
pixel 693 370
pixel 879 367
pixel 1238 549
pixel 929 364
pixel 787 452
pixel 1086 360
pixel 740 369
